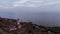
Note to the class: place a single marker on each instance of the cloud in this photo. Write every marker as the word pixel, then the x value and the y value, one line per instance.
pixel 35 3
pixel 24 3
pixel 17 3
pixel 27 3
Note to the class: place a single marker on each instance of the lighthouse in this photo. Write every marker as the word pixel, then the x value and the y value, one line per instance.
pixel 18 23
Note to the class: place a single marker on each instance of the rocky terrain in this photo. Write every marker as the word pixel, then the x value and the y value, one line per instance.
pixel 6 27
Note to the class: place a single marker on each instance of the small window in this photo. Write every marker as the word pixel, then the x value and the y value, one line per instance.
pixel 34 27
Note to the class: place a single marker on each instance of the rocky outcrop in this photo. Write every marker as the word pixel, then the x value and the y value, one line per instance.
pixel 26 27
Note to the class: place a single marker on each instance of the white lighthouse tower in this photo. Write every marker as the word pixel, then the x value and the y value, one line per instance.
pixel 18 23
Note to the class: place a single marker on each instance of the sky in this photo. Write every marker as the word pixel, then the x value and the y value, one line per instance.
pixel 32 10
pixel 29 3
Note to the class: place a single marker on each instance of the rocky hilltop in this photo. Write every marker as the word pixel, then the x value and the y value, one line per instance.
pixel 12 26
